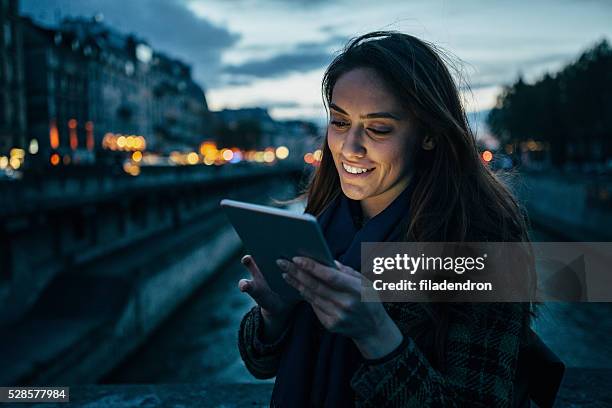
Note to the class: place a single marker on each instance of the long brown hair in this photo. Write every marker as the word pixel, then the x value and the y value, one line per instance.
pixel 456 197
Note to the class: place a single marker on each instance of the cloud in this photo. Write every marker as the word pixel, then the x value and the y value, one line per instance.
pixel 280 65
pixel 304 57
pixel 168 26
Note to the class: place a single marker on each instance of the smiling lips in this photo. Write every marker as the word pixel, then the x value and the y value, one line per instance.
pixel 356 170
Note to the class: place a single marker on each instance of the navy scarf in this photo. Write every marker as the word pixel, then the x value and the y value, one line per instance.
pixel 316 365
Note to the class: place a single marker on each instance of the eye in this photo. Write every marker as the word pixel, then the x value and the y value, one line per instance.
pixel 379 131
pixel 339 123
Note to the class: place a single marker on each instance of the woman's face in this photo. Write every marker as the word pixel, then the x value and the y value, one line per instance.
pixel 371 139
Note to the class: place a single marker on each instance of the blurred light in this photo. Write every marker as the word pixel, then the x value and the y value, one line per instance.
pixel 15 162
pixel 208 161
pixel 89 135
pixel 66 159
pixel 259 157
pixel 282 152
pixel 72 131
pixel 209 149
pixel 317 155
pixel 18 153
pixel 175 157
pixel 237 157
pixel 131 169
pixel 269 156
pixel 53 135
pixel 137 156
pixel 227 154
pixel 309 158
pixel 487 156
pixel 192 158
pixel 55 159
pixel 532 145
pixel 121 142
pixel 4 161
pixel 33 149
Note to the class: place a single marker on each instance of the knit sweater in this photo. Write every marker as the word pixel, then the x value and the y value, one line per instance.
pixel 481 352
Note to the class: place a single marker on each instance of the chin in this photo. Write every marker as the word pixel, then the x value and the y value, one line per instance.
pixel 352 192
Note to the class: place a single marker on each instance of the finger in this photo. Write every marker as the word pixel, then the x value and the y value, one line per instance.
pixel 324 316
pixel 347 269
pixel 307 280
pixel 325 304
pixel 250 264
pixel 329 276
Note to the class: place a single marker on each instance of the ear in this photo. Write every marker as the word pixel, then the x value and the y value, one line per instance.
pixel 428 143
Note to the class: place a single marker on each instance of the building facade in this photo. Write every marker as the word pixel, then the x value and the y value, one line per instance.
pixel 89 81
pixel 12 92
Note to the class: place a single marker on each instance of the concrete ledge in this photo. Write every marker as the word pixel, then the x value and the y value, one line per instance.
pixel 582 387
pixel 83 347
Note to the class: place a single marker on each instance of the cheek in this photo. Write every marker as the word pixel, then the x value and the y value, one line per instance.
pixel 334 142
pixel 396 159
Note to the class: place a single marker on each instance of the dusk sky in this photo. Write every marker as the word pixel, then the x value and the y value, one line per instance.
pixel 273 53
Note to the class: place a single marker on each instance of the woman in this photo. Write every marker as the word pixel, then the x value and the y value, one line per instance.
pixel 399 163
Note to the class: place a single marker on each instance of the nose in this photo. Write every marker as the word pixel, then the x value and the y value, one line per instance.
pixel 352 147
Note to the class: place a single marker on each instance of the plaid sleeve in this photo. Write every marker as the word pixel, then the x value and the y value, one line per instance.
pixel 261 359
pixel 481 353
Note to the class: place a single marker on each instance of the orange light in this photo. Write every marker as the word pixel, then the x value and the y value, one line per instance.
pixel 487 156
pixel 309 158
pixel 55 159
pixel 90 136
pixel 53 135
pixel 74 141
pixel 192 158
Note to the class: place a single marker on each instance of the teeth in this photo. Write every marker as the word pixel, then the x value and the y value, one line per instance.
pixel 353 170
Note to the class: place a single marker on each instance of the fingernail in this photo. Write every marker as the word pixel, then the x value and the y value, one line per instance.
pixel 282 264
pixel 245 259
pixel 298 261
pixel 284 276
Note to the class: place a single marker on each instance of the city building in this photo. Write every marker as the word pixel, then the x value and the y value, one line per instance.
pixel 88 84
pixel 181 118
pixel 254 128
pixel 12 92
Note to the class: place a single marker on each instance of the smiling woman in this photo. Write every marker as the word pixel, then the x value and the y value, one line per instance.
pixel 399 163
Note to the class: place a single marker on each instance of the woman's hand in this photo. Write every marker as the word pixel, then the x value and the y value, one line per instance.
pixel 335 296
pixel 274 309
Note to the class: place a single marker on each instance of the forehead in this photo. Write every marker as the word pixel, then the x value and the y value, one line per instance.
pixel 362 91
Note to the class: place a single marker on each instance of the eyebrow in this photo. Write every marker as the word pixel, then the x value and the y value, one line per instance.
pixel 375 115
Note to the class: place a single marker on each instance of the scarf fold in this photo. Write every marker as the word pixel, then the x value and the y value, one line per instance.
pixel 316 365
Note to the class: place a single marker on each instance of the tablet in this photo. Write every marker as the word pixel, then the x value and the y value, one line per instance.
pixel 270 233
